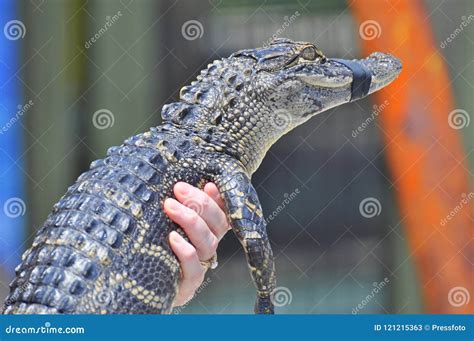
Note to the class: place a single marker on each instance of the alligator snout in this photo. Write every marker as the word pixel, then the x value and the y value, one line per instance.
pixel 383 67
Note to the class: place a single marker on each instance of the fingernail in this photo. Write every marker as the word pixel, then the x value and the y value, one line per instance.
pixel 182 188
pixel 171 205
pixel 210 185
pixel 175 237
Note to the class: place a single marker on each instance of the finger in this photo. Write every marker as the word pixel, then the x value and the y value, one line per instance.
pixel 194 227
pixel 192 270
pixel 213 192
pixel 206 207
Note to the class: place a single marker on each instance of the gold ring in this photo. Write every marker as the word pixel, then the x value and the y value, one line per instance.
pixel 211 263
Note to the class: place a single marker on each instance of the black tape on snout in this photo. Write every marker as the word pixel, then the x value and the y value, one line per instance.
pixel 361 78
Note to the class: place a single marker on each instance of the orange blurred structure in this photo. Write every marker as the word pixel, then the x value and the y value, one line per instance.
pixel 429 172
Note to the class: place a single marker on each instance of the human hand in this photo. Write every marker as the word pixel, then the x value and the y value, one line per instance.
pixel 200 213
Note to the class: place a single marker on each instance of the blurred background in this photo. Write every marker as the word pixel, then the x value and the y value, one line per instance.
pixel 369 205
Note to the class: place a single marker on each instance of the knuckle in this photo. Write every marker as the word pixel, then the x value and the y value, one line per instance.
pixel 208 246
pixel 224 222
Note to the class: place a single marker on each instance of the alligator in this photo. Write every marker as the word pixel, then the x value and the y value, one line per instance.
pixel 104 247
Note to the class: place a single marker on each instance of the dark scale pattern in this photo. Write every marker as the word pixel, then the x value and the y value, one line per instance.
pixel 104 247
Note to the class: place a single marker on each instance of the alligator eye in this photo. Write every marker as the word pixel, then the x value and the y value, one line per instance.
pixel 309 53
pixel 312 53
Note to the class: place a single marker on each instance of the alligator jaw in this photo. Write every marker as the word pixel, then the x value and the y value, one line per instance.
pixel 384 68
pixel 341 76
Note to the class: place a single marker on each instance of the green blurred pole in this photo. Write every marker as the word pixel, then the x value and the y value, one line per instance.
pixel 52 80
pixel 121 85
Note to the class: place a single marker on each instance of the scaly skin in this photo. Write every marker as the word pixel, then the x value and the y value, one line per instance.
pixel 104 247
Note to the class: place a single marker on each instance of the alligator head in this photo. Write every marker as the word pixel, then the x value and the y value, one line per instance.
pixel 300 82
pixel 258 95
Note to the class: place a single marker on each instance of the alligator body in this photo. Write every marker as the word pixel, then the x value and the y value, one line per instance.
pixel 104 247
